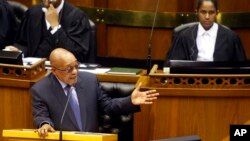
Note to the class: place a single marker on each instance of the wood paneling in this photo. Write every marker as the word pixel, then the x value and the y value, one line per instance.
pixel 89 3
pixel 184 111
pixel 245 38
pixel 15 107
pixel 132 43
pixel 135 42
pixel 143 5
pixel 234 5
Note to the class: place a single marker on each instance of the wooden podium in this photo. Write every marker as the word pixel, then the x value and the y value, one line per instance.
pixel 31 135
pixel 193 104
pixel 15 99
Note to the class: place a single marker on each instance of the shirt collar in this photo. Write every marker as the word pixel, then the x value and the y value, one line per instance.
pixel 62 83
pixel 59 8
pixel 212 31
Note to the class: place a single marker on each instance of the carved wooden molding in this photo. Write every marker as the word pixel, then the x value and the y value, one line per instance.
pixel 23 72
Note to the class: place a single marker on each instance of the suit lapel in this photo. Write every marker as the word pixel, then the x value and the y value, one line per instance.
pixel 193 45
pixel 217 42
pixel 82 102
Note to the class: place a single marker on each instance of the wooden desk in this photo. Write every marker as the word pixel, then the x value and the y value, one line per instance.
pixel 29 134
pixel 15 100
pixel 190 104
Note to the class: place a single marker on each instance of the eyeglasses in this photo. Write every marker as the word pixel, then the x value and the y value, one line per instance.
pixel 69 69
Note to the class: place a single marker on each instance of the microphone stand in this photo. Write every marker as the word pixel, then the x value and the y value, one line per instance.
pixel 149 59
pixel 64 111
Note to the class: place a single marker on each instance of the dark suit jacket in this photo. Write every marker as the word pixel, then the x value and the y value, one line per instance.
pixel 228 46
pixel 74 34
pixel 8 24
pixel 49 101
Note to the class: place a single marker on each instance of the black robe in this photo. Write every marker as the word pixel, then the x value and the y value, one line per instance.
pixel 8 24
pixel 228 46
pixel 74 34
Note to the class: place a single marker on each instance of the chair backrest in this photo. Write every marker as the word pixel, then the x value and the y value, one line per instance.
pixel 18 8
pixel 182 27
pixel 91 56
pixel 117 124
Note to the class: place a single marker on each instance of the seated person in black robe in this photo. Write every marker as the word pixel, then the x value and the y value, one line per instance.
pixel 51 24
pixel 207 41
pixel 8 24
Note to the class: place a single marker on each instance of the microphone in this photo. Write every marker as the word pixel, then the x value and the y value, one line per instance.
pixel 149 60
pixel 64 111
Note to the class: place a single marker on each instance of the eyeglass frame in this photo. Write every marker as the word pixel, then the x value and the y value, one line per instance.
pixel 69 69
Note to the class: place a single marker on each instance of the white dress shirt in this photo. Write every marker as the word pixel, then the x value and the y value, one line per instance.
pixel 206 42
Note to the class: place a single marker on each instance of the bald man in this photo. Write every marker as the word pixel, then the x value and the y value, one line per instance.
pixel 49 97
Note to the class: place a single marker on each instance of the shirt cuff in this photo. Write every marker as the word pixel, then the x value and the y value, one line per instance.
pixel 54 30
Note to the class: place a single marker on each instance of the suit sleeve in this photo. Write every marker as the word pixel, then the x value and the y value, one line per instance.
pixel 39 110
pixel 115 105
pixel 240 54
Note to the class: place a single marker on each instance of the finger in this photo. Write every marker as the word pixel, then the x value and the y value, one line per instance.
pixel 148 102
pixel 45 132
pixel 150 91
pixel 39 131
pixel 42 132
pixel 138 87
pixel 151 99
pixel 153 95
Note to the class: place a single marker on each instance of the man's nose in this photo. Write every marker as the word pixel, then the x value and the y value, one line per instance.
pixel 207 16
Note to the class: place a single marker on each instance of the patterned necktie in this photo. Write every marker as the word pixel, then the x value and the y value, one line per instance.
pixel 74 105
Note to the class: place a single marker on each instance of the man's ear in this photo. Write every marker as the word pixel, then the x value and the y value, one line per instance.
pixel 217 12
pixel 53 70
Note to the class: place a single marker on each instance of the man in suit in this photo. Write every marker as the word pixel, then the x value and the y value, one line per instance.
pixel 49 97
pixel 8 24
pixel 51 24
pixel 207 41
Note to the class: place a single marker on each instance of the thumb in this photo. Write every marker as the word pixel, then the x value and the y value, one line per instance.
pixel 138 87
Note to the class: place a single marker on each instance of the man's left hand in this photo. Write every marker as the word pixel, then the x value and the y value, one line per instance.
pixel 143 97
